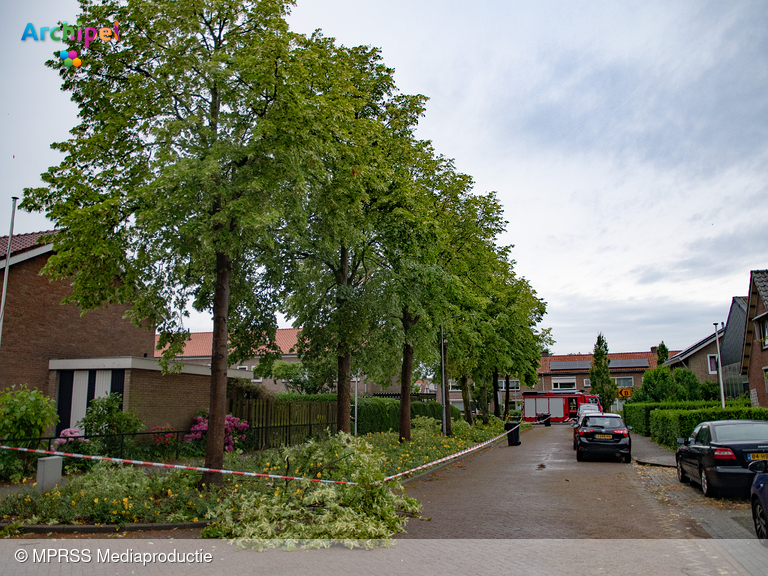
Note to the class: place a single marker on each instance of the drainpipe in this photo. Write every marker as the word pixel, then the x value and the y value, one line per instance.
pixel 7 266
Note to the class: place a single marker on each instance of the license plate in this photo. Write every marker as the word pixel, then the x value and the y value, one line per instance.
pixel 604 436
pixel 759 456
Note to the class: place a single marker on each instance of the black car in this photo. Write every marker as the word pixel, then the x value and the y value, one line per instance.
pixel 717 454
pixel 604 434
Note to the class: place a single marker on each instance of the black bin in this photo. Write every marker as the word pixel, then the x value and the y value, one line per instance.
pixel 547 419
pixel 513 437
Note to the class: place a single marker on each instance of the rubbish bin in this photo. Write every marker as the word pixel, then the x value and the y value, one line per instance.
pixel 513 437
pixel 547 420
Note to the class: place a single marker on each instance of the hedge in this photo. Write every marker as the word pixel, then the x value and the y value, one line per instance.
pixel 299 397
pixel 383 414
pixel 669 425
pixel 639 415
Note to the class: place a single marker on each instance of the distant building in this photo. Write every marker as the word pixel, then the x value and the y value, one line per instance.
pixel 754 360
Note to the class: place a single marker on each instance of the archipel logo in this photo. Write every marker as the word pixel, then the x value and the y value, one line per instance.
pixel 63 33
pixel 70 58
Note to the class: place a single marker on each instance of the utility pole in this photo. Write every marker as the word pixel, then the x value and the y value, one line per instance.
pixel 7 266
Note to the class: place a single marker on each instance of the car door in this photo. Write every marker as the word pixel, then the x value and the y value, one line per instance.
pixel 700 450
pixel 687 455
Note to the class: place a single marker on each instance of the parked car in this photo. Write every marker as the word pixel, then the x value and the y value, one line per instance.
pixel 576 425
pixel 717 454
pixel 587 407
pixel 759 497
pixel 603 433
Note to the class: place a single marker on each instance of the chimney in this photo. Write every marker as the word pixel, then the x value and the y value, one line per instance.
pixel 545 353
pixel 653 349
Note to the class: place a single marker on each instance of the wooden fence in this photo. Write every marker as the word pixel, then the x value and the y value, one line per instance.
pixel 274 424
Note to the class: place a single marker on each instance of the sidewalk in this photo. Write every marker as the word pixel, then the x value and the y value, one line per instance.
pixel 646 452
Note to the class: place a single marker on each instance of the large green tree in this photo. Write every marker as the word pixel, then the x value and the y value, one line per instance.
pixel 599 375
pixel 192 127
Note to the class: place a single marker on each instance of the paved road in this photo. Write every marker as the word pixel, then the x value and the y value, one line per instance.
pixel 539 490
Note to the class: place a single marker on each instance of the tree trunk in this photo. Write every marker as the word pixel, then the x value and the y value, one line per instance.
pixel 446 400
pixel 343 399
pixel 405 393
pixel 484 403
pixel 506 397
pixel 465 398
pixel 496 407
pixel 409 321
pixel 214 448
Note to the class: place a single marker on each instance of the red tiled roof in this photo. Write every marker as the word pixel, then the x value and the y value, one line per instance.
pixel 22 242
pixel 201 343
pixel 544 368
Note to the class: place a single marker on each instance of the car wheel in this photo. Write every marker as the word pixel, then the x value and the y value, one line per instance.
pixel 681 475
pixel 758 517
pixel 575 445
pixel 705 487
pixel 579 457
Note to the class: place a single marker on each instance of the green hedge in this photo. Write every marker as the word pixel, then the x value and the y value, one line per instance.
pixel 383 414
pixel 669 425
pixel 639 415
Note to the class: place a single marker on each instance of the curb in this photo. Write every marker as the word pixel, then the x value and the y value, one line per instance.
pixel 104 528
pixel 657 464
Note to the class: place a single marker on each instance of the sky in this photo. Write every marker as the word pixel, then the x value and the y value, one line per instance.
pixel 627 142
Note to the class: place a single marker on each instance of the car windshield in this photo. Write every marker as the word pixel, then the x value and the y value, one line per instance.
pixel 741 432
pixel 603 422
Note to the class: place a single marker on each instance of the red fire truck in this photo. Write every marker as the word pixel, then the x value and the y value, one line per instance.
pixel 559 404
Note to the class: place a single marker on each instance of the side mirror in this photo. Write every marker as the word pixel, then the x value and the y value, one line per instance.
pixel 682 441
pixel 629 427
pixel 758 466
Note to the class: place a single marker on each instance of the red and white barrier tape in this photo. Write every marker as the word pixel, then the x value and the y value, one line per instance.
pixel 174 466
pixel 452 456
pixel 254 474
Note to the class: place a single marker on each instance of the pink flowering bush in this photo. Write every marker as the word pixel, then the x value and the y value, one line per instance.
pixel 69 435
pixel 164 434
pixel 234 429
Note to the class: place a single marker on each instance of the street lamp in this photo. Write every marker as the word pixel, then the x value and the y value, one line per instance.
pixel 719 365
pixel 7 265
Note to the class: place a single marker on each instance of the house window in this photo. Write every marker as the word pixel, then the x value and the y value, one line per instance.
pixel 712 363
pixel 453 386
pixel 762 328
pixel 242 367
pixel 513 384
pixel 586 383
pixel 624 382
pixel 564 383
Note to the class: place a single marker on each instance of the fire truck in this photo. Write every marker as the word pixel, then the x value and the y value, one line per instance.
pixel 561 405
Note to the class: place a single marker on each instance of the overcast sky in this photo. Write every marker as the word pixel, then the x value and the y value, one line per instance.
pixel 627 141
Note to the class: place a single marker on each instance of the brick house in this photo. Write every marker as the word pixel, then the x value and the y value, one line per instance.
pixel 700 358
pixel 571 372
pixel 197 350
pixel 754 363
pixel 73 358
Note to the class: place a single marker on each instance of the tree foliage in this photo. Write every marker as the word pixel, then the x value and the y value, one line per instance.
pixel 599 375
pixel 662 353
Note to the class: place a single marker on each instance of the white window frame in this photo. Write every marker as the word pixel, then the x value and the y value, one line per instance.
pixel 710 359
pixel 630 378
pixel 453 386
pixel 564 383
pixel 587 383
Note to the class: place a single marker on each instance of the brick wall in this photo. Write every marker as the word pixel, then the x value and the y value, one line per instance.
pixel 757 361
pixel 172 398
pixel 37 327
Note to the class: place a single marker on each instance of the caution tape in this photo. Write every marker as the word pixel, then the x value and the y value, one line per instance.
pixel 175 466
pixel 253 474
pixel 452 456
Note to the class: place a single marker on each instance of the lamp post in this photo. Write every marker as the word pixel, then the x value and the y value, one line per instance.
pixel 7 265
pixel 719 366
pixel 446 409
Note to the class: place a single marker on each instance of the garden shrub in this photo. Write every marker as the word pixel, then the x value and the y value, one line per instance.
pixel 383 414
pixel 234 430
pixel 105 416
pixel 668 425
pixel 298 397
pixel 24 414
